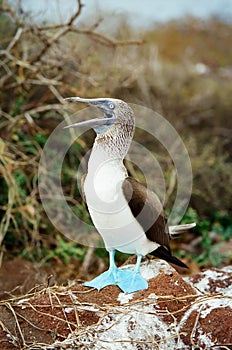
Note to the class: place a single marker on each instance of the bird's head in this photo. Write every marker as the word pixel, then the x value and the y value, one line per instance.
pixel 115 113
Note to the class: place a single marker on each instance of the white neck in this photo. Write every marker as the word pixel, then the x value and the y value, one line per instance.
pixel 105 173
pixel 102 163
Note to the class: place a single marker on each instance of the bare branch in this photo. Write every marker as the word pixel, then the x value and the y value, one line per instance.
pixel 63 30
pixel 105 39
pixel 15 39
pixel 9 9
pixel 76 14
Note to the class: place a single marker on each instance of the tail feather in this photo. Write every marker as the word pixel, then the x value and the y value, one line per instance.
pixel 166 255
pixel 176 231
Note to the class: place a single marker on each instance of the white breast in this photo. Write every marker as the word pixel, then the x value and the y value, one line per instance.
pixel 110 212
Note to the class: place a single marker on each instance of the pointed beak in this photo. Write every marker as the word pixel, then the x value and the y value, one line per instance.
pixel 89 101
pixel 92 123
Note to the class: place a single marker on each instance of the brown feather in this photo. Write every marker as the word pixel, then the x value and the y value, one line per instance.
pixel 148 211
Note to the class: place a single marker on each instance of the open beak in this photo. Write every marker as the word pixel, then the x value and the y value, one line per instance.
pixel 92 123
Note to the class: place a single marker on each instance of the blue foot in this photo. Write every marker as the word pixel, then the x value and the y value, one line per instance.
pixel 111 277
pixel 105 279
pixel 133 284
pixel 123 275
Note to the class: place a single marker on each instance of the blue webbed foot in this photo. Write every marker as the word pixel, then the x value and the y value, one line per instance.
pixel 123 275
pixel 129 281
pixel 113 276
pixel 133 284
pixel 105 279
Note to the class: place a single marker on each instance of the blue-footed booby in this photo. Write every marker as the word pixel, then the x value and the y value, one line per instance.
pixel 128 216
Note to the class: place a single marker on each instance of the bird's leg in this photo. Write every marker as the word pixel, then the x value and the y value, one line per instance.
pixel 109 277
pixel 136 282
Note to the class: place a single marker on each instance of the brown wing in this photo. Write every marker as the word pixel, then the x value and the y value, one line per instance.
pixel 148 211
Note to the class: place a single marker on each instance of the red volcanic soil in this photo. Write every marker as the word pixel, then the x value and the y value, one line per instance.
pixel 174 312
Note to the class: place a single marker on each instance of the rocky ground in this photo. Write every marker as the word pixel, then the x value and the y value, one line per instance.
pixel 174 313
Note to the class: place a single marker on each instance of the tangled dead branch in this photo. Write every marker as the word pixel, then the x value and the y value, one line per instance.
pixel 38 66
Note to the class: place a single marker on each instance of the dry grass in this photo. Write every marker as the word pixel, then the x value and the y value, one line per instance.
pixel 37 65
pixel 63 313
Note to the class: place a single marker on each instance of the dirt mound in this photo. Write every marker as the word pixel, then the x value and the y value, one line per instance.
pixel 174 313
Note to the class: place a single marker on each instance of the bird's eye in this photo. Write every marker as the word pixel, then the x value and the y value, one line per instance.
pixel 111 105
